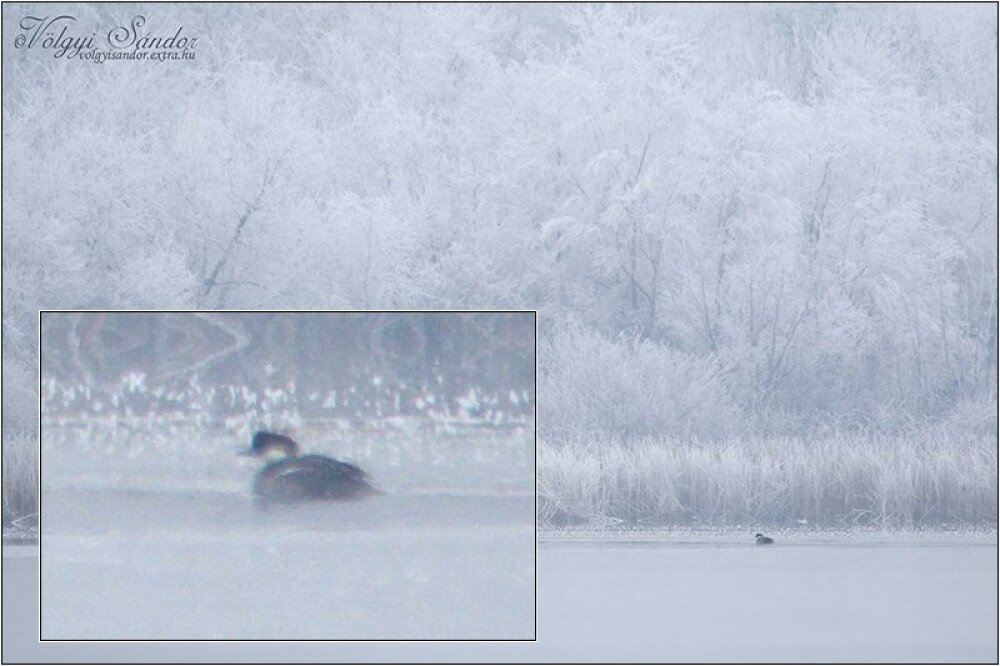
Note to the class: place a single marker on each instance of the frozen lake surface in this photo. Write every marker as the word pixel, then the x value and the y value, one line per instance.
pixel 813 597
pixel 198 566
pixel 151 533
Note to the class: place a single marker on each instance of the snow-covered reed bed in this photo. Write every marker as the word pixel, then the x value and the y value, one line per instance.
pixel 837 480
pixel 20 477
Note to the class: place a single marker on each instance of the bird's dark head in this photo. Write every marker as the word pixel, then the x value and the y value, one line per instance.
pixel 758 535
pixel 271 446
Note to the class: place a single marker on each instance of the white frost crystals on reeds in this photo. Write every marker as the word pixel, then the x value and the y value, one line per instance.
pixel 20 477
pixel 924 480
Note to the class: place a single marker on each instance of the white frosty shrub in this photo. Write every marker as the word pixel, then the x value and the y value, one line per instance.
pixel 629 387
pixel 20 397
pixel 155 276
pixel 975 416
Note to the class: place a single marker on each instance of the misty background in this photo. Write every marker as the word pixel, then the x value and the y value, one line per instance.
pixel 355 366
pixel 761 239
pixel 425 402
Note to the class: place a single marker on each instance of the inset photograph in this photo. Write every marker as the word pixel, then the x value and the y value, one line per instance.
pixel 287 475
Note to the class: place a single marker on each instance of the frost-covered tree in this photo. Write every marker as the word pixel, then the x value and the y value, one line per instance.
pixel 801 199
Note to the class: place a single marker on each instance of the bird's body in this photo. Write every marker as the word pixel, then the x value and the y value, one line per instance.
pixel 291 478
pixel 311 477
pixel 763 540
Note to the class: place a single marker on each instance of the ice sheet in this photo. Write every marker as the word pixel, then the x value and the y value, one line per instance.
pixel 128 565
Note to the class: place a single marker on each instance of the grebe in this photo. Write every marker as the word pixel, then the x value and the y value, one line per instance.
pixel 763 540
pixel 290 477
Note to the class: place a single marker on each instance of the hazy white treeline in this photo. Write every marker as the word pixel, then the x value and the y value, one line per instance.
pixel 776 218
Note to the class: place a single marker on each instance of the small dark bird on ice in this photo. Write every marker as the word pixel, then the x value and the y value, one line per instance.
pixel 290 477
pixel 763 540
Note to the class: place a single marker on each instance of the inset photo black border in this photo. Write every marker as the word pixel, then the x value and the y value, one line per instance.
pixel 42 313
